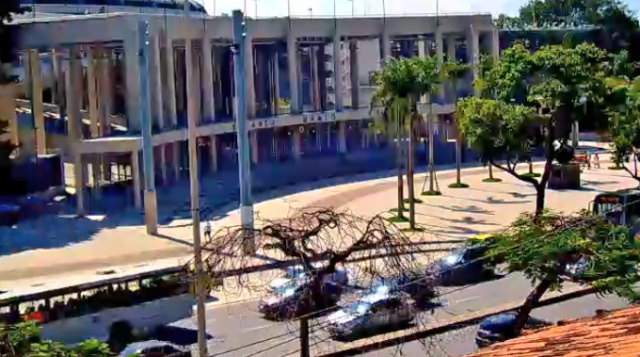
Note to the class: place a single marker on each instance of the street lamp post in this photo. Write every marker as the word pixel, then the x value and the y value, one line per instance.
pixel 353 7
pixel 240 112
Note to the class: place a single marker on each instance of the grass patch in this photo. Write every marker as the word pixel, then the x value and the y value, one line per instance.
pixel 395 209
pixel 492 180
pixel 459 185
pixel 409 230
pixel 431 193
pixel 398 219
pixel 616 168
pixel 415 200
pixel 531 175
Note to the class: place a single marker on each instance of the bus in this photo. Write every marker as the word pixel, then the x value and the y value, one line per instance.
pixel 72 314
pixel 619 207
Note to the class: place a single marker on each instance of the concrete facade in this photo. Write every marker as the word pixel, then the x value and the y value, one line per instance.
pixel 302 97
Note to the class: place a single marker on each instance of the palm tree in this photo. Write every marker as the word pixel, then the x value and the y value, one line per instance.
pixel 394 112
pixel 453 72
pixel 428 86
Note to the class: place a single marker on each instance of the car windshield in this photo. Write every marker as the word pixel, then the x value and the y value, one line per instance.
pixel 454 258
pixel 296 272
pixel 287 288
pixel 359 308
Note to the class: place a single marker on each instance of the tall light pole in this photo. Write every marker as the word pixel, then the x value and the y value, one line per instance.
pixel 150 202
pixel 353 7
pixel 242 132
pixel 256 7
pixel 310 11
pixel 201 296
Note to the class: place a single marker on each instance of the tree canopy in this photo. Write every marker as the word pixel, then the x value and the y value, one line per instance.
pixel 24 340
pixel 544 247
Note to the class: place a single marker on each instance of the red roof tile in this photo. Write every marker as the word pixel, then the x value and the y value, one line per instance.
pixel 616 333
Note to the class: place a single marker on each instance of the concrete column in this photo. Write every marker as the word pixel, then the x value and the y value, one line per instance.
pixel 439 45
pixel 135 173
pixel 292 59
pixel 156 94
pixel 213 152
pixel 80 182
pixel 58 79
pixel 473 52
pixel 163 164
pixel 355 83
pixel 73 86
pixel 208 102
pixel 8 111
pixel 342 137
pixel 92 93
pixel 36 101
pixel 108 87
pixel 250 71
pixel 495 43
pixel 175 162
pixel 422 47
pixel 315 80
pixel 170 84
pixel 451 56
pixel 276 82
pixel 105 100
pixel 255 149
pixel 337 70
pixel 297 144
pixel 132 82
pixel 385 45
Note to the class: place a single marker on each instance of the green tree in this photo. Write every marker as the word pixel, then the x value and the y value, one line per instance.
pixel 624 122
pixel 542 246
pixel 24 340
pixel 453 72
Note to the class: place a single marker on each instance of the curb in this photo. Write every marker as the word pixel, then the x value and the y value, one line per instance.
pixel 455 324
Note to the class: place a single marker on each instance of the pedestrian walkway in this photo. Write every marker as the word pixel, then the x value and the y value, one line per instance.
pixel 458 213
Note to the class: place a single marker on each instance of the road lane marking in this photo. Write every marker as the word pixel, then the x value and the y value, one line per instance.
pixel 258 327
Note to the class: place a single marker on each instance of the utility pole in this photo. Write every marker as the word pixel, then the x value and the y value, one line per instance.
pixel 244 167
pixel 201 294
pixel 304 337
pixel 150 200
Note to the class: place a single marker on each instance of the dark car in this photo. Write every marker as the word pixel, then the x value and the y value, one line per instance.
pixel 288 300
pixel 154 348
pixel 418 286
pixel 500 328
pixel 462 266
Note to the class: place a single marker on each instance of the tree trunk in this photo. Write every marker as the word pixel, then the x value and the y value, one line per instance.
pixel 458 158
pixel 399 158
pixel 410 171
pixel 531 166
pixel 432 170
pixel 490 171
pixel 540 193
pixel 530 302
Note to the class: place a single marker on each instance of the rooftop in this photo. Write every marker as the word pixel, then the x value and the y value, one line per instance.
pixel 609 333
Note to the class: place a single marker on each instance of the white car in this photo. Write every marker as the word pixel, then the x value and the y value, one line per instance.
pixel 340 277
pixel 372 312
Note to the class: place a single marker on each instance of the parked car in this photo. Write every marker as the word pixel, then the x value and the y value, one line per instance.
pixel 419 286
pixel 370 313
pixel 298 272
pixel 500 328
pixel 287 300
pixel 462 266
pixel 154 348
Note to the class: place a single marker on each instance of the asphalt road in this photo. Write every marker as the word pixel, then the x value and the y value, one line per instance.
pixel 461 342
pixel 239 330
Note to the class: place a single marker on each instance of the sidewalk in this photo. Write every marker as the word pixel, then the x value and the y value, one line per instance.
pixel 458 213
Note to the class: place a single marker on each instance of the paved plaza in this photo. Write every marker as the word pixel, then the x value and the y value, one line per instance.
pixel 96 243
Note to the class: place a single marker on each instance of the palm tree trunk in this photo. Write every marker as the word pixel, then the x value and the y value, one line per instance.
pixel 432 170
pixel 490 171
pixel 399 158
pixel 410 171
pixel 458 157
pixel 531 166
